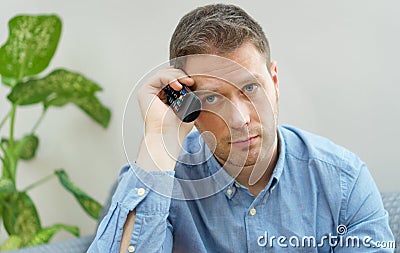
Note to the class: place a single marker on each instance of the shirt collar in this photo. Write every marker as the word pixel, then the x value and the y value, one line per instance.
pixel 276 175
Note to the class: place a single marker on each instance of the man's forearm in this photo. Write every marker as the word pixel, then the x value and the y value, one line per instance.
pixel 152 156
pixel 138 213
pixel 128 228
pixel 158 152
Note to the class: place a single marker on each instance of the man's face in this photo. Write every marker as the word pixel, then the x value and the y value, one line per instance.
pixel 239 104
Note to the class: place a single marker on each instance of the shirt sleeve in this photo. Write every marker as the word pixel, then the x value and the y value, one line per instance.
pixel 364 221
pixel 152 231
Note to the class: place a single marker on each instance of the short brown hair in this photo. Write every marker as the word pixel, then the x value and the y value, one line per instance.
pixel 216 29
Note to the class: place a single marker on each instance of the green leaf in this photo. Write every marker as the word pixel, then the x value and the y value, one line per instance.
pixel 13 242
pixel 8 159
pixel 6 186
pixel 62 87
pixel 57 101
pixel 60 82
pixel 31 92
pixel 44 235
pixel 31 44
pixel 8 81
pixel 91 206
pixel 20 217
pixel 97 111
pixel 27 146
pixel 89 104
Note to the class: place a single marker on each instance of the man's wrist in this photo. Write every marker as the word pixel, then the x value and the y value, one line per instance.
pixel 158 152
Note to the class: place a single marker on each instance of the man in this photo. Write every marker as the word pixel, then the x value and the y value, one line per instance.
pixel 241 183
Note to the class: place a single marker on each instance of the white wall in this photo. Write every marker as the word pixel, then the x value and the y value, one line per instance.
pixel 338 70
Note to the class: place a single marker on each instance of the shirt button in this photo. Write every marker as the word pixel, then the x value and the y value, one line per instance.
pixel 131 248
pixel 237 184
pixel 140 193
pixel 229 191
pixel 253 211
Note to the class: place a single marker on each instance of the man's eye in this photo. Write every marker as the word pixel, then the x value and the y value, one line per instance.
pixel 211 99
pixel 250 87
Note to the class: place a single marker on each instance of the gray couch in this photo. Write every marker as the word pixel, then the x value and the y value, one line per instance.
pixel 391 202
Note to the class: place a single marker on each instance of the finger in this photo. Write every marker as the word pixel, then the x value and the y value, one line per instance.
pixel 173 77
pixel 180 76
pixel 175 85
pixel 188 81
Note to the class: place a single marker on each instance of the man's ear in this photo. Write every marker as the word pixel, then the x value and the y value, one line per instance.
pixel 273 69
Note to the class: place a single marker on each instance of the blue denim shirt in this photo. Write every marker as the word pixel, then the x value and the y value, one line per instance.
pixel 320 198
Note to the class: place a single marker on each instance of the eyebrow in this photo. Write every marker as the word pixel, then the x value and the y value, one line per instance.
pixel 248 79
pixel 208 89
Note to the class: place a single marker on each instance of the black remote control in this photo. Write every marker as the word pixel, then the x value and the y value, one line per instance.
pixel 185 104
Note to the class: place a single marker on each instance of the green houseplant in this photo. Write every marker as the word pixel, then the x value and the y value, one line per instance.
pixel 27 52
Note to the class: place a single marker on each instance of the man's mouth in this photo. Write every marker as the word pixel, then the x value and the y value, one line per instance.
pixel 246 142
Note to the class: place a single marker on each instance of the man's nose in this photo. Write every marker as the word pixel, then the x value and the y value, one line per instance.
pixel 239 115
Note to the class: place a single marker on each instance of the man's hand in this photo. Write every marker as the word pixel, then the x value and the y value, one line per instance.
pixel 164 132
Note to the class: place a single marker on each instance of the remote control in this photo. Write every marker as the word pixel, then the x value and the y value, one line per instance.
pixel 185 104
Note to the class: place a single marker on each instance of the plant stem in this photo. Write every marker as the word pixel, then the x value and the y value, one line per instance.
pixel 12 112
pixel 38 121
pixel 3 161
pixel 37 183
pixel 12 158
pixel 3 152
pixel 5 119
